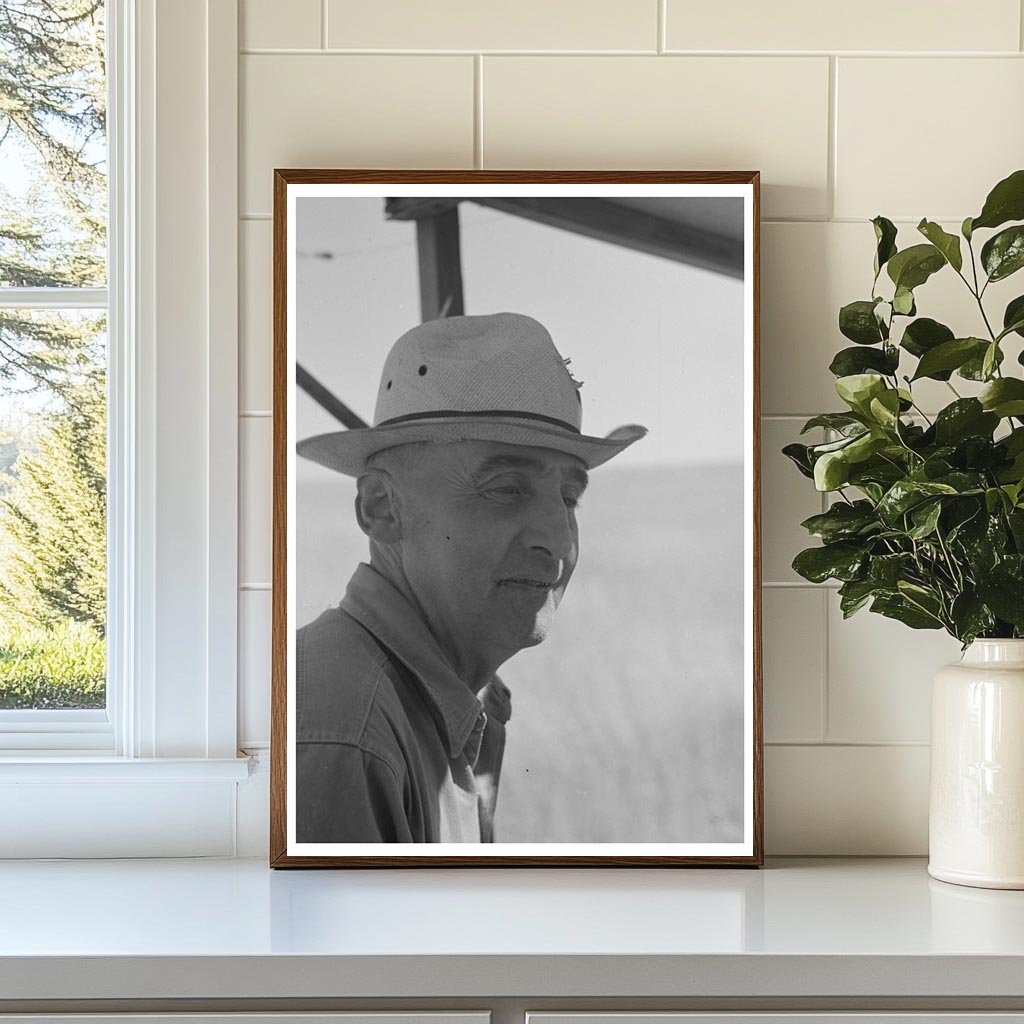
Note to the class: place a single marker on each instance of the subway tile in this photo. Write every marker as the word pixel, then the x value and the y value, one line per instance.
pixel 470 25
pixel 351 111
pixel 254 625
pixel 957 127
pixel 787 498
pixel 808 271
pixel 255 319
pixel 681 113
pixel 847 801
pixel 793 628
pixel 880 677
pixel 877 25
pixel 270 24
pixel 255 507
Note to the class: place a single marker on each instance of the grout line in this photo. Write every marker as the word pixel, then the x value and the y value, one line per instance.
pixel 824 722
pixel 323 24
pixel 1020 19
pixel 255 216
pixel 833 134
pixel 662 28
pixel 801 585
pixel 254 586
pixel 369 51
pixel 478 111
pixel 847 743
pixel 255 414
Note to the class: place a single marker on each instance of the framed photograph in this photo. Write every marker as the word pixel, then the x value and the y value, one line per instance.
pixel 516 588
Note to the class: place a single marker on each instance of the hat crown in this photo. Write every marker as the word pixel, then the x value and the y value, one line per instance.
pixel 499 363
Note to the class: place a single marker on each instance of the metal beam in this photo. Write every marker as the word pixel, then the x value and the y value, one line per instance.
pixel 326 400
pixel 440 262
pixel 610 222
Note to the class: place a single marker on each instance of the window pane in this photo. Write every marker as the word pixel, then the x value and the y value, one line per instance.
pixel 52 509
pixel 53 150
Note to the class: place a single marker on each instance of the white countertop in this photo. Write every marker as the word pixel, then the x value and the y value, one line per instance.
pixel 233 928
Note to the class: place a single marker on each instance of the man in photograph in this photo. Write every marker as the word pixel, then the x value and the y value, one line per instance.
pixel 467 483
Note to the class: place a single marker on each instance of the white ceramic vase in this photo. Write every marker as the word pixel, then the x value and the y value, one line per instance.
pixel 976 811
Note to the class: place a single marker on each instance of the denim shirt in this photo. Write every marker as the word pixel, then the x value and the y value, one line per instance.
pixel 391 745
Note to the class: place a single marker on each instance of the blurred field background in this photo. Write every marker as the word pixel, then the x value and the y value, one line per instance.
pixel 627 722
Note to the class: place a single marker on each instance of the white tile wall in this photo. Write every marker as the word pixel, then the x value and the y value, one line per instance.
pixel 838 139
pixel 698 113
pixel 471 25
pixel 874 25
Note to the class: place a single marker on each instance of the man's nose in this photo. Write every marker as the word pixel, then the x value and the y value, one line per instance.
pixel 550 528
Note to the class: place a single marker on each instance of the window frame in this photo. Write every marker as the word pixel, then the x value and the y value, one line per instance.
pixel 172 468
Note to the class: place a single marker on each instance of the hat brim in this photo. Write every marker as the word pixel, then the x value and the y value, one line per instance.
pixel 346 451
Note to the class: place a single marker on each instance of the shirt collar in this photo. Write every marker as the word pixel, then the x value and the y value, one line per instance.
pixel 380 607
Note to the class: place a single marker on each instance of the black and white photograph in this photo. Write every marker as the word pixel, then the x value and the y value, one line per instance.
pixel 516 566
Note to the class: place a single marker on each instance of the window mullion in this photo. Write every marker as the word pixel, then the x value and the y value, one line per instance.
pixel 53 298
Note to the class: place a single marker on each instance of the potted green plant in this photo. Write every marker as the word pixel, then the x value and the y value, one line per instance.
pixel 927 521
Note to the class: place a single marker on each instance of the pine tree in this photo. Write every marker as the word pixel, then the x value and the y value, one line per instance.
pixel 53 122
pixel 53 519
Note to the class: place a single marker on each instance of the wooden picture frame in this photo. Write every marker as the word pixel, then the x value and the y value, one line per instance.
pixel 628 230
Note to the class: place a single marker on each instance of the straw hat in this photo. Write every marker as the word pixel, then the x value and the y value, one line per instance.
pixel 472 378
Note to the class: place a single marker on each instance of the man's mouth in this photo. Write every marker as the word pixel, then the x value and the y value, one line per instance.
pixel 526 581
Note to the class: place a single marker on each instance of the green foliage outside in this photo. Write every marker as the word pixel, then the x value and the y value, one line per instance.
pixel 928 522
pixel 52 365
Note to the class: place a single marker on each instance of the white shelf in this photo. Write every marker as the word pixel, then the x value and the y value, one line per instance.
pixel 233 929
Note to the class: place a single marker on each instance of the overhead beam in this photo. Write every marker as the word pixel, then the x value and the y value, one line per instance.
pixel 440 263
pixel 622 225
pixel 326 399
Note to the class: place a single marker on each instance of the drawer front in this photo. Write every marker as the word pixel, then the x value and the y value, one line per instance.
pixel 933 1017
pixel 358 1017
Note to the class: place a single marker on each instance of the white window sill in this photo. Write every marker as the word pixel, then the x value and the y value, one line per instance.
pixel 79 767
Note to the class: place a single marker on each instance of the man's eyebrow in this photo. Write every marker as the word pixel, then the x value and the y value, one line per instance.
pixel 494 463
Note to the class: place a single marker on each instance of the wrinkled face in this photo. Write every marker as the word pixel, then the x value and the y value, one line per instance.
pixel 489 539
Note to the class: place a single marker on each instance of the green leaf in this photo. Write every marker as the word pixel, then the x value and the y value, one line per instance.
pixel 923 335
pixel 841 561
pixel 854 594
pixel 970 616
pixel 1003 254
pixel 974 368
pixel 1004 397
pixel 799 454
pixel 906 494
pixel 903 302
pixel 925 518
pixel 857 321
pixel 1013 317
pixel 844 422
pixel 966 417
pixel 912 267
pixel 831 471
pixel 1005 202
pixel 886 570
pixel 1005 596
pixel 849 361
pixel 858 389
pixel 947 244
pixel 885 236
pixel 898 607
pixel 950 355
pixel 842 521
pixel 990 360
pixel 885 409
pixel 965 228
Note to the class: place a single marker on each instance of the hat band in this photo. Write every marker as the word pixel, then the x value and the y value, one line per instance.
pixel 477 414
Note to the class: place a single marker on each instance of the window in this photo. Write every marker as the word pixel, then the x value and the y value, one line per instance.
pixel 154 766
pixel 53 370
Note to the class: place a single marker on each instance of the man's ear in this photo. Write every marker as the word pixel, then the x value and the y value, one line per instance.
pixel 377 507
